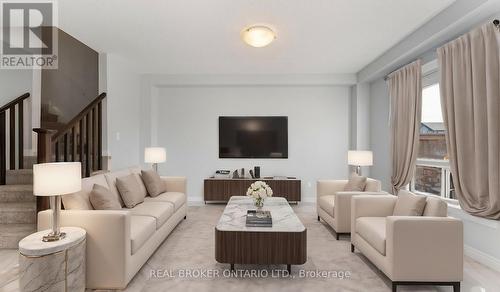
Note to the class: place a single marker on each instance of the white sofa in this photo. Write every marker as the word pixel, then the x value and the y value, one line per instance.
pixel 333 204
pixel 409 250
pixel 119 242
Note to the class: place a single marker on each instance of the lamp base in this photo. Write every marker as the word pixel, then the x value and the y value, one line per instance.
pixel 53 237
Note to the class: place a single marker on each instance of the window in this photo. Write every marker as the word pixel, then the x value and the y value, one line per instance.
pixel 432 173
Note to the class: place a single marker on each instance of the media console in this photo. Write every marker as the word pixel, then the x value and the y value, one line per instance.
pixel 221 190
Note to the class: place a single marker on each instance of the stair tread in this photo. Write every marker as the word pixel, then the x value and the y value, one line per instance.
pixel 18 206
pixel 13 229
pixel 16 188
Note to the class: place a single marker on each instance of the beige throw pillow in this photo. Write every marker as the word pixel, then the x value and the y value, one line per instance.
pixel 356 183
pixel 102 198
pixel 130 190
pixel 409 204
pixel 154 184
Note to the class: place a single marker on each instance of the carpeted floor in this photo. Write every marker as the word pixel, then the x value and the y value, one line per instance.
pixel 190 249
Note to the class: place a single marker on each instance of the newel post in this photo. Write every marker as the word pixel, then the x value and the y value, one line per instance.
pixel 44 154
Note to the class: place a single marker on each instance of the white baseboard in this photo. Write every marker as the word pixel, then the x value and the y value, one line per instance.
pixel 482 257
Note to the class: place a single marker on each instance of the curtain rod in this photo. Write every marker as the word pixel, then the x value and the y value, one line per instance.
pixel 496 22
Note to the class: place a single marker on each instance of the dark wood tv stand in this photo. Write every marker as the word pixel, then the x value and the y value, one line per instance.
pixel 220 190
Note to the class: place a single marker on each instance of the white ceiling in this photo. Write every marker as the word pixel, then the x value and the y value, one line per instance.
pixel 203 37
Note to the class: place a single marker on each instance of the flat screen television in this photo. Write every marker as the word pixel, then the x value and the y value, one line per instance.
pixel 253 137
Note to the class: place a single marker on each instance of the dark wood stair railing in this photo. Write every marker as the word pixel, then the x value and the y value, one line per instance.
pixel 80 140
pixel 10 107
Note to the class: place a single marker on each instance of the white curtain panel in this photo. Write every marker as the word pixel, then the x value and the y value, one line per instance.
pixel 470 99
pixel 405 89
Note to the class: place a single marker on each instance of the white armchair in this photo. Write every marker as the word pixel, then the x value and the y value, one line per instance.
pixel 410 250
pixel 333 204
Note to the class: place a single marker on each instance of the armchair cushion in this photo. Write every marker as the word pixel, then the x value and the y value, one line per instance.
pixel 356 183
pixel 373 230
pixel 409 204
pixel 435 207
pixel 102 199
pixel 141 229
pixel 176 198
pixel 327 204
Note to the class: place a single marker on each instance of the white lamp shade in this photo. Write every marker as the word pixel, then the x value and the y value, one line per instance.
pixel 58 178
pixel 360 158
pixel 155 155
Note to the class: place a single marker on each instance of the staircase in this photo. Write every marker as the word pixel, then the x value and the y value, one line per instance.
pixel 78 140
pixel 17 207
pixel 17 202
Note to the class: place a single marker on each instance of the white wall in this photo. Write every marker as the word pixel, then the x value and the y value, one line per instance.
pixel 123 112
pixel 380 133
pixel 187 125
pixel 14 83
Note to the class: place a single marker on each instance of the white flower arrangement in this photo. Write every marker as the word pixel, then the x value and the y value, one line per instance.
pixel 259 191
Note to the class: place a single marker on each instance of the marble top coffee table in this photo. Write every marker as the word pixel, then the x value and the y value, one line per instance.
pixel 283 243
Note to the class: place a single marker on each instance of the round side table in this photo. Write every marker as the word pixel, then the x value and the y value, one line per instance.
pixel 53 266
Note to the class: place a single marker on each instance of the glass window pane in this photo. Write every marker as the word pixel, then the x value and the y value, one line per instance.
pixel 428 180
pixel 432 138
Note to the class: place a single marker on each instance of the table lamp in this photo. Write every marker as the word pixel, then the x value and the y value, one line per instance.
pixel 56 179
pixel 359 158
pixel 155 155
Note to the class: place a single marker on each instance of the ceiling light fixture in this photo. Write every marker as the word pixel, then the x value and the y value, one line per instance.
pixel 258 36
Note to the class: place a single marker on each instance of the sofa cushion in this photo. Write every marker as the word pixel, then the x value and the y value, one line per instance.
pixel 409 204
pixel 161 211
pixel 355 183
pixel 80 200
pixel 137 171
pixel 176 198
pixel 102 199
pixel 372 229
pixel 154 184
pixel 141 229
pixel 111 179
pixel 435 207
pixel 130 190
pixel 327 203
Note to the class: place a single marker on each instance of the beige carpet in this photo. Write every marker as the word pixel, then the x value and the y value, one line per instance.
pixel 191 248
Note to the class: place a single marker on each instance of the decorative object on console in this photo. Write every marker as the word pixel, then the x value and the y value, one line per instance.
pixel 259 191
pixel 359 158
pixel 56 179
pixel 235 174
pixel 221 173
pixel 256 171
pixel 243 173
pixel 155 155
pixel 251 173
pixel 153 182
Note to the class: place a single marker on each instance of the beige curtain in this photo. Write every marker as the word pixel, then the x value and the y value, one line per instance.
pixel 470 101
pixel 405 89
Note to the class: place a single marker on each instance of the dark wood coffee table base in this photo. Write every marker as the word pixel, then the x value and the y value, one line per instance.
pixel 265 248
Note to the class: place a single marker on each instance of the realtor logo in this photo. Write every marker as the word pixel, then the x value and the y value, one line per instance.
pixel 28 34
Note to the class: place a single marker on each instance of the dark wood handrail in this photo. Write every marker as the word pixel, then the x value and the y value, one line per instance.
pixel 78 117
pixel 14 102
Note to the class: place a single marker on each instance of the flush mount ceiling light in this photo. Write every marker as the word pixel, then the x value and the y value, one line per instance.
pixel 258 36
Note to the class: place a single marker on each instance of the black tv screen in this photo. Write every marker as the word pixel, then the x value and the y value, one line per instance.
pixel 253 137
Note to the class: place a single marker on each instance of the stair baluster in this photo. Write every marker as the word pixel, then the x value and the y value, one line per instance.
pixel 79 140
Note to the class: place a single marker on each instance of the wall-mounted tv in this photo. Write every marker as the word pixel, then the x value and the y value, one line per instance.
pixel 253 137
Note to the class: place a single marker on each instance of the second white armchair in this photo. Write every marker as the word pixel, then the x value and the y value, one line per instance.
pixel 333 204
